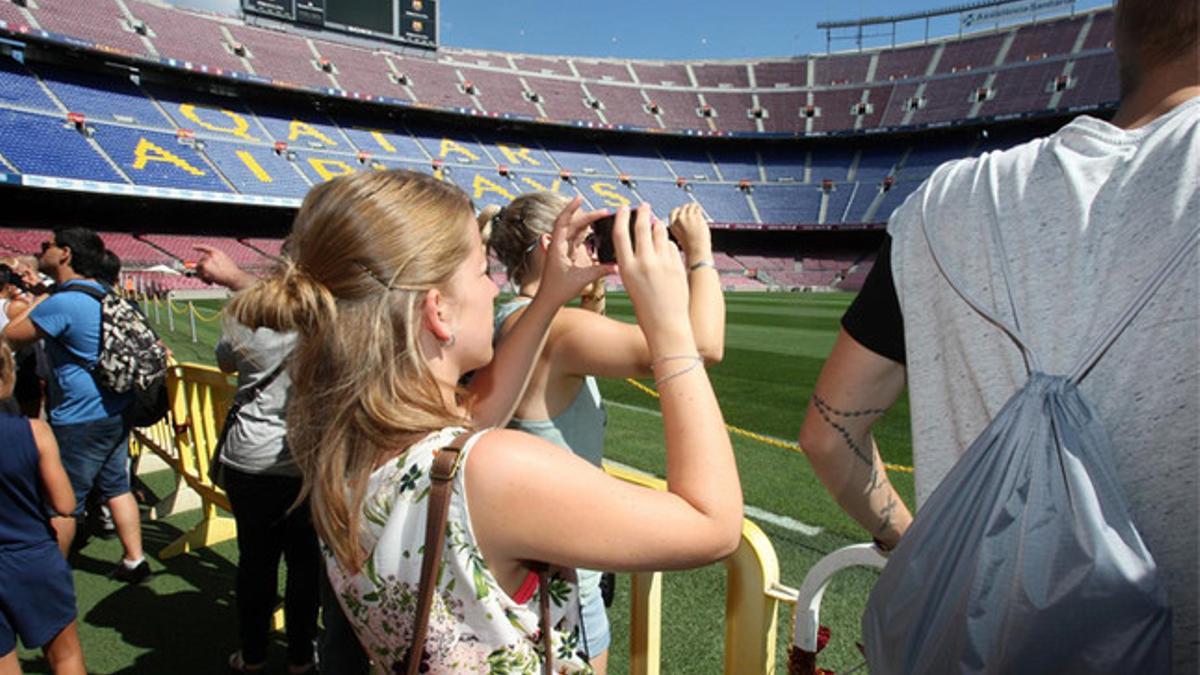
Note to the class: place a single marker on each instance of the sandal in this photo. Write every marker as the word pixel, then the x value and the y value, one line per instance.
pixel 237 664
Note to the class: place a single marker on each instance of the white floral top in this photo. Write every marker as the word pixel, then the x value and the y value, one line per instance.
pixel 474 626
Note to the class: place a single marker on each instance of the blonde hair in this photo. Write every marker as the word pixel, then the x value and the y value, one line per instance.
pixel 512 230
pixel 364 248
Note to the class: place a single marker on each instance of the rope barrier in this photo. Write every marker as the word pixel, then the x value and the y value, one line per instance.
pixel 755 436
pixel 200 315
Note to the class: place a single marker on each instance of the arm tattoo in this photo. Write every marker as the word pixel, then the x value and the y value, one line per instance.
pixel 876 483
pixel 886 514
pixel 828 413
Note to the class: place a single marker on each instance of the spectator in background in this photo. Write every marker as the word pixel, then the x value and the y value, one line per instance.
pixel 109 271
pixel 1086 215
pixel 562 402
pixel 261 478
pixel 14 296
pixel 390 295
pixel 37 596
pixel 262 482
pixel 87 419
pixel 24 285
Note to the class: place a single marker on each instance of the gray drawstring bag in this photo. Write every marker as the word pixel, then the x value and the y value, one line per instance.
pixel 1024 559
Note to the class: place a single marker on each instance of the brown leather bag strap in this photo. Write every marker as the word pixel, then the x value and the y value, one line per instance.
pixel 544 610
pixel 445 467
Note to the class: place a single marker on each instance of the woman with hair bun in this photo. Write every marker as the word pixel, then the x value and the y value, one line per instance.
pixel 562 402
pixel 388 290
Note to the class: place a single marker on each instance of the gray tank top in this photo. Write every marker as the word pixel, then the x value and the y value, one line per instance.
pixel 579 428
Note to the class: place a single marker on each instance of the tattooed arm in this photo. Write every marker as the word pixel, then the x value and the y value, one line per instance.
pixel 855 388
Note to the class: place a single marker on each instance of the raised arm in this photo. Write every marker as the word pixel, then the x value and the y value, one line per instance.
pixel 216 267
pixel 59 493
pixel 21 331
pixel 585 343
pixel 855 388
pixel 498 387
pixel 706 302
pixel 560 509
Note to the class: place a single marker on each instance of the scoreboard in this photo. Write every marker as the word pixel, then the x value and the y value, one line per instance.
pixel 410 22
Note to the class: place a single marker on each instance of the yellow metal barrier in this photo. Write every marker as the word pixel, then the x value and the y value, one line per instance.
pixel 752 596
pixel 187 438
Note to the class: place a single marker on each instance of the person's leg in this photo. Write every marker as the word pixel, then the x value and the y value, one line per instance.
pixel 128 521
pixel 600 663
pixel 304 566
pixel 113 482
pixel 75 447
pixel 65 653
pixel 9 665
pixel 260 546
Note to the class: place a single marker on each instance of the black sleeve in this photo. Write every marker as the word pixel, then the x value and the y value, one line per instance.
pixel 874 318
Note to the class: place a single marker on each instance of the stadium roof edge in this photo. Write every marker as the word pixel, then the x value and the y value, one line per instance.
pixel 912 16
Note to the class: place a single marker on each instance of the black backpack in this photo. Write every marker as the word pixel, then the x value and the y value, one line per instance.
pixel 131 357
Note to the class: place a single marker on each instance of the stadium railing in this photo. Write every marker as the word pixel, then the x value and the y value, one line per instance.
pixel 186 440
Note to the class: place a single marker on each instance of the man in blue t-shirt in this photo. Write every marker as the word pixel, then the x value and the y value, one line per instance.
pixel 87 419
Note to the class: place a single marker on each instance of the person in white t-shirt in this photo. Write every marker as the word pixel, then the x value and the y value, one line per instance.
pixel 1086 216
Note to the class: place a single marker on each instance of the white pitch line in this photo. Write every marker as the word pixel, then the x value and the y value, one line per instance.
pixel 752 512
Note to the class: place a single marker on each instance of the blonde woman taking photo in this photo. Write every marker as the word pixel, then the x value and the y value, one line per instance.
pixel 389 294
pixel 562 402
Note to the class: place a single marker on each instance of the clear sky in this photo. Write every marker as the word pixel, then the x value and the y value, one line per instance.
pixel 660 29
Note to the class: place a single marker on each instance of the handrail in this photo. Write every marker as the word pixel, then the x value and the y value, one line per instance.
pixel 186 440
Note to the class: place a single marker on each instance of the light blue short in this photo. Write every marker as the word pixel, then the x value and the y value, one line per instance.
pixel 596 630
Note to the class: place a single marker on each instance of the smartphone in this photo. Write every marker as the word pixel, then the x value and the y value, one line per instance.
pixel 602 241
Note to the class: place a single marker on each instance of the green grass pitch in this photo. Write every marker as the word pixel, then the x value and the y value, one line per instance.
pixel 182 620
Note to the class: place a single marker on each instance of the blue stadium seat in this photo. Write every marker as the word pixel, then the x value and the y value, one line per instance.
pixel 519 152
pixel 876 164
pixel 924 159
pixel 736 164
pixel 452 147
pixel 661 195
pixel 602 193
pixel 19 88
pixel 783 162
pixel 102 98
pixel 256 169
pixel 787 204
pixel 891 200
pixel 158 159
pixel 639 162
pixel 839 199
pixel 831 163
pixel 690 164
pixel 395 144
pixel 581 158
pixel 301 127
pixel 47 146
pixel 723 202
pixel 863 197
